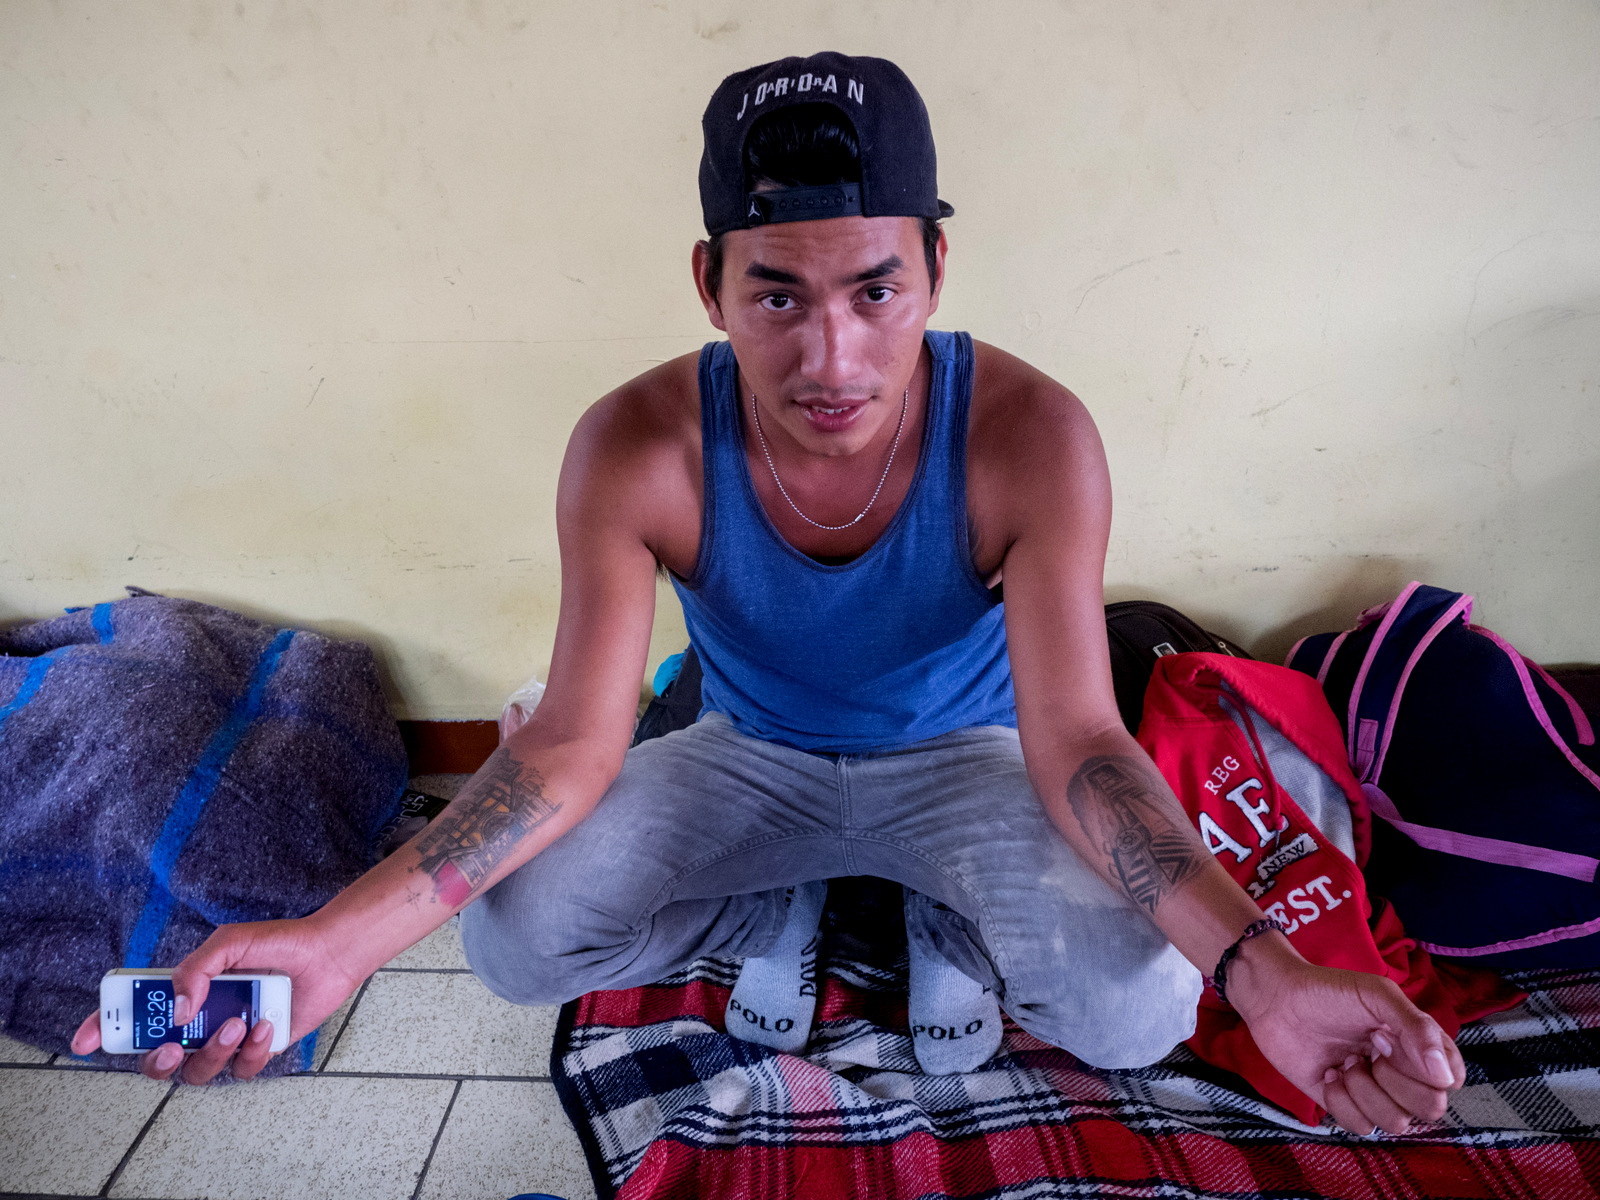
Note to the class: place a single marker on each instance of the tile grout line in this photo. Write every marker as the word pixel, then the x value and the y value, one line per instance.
pixel 423 971
pixel 127 1157
pixel 327 1058
pixel 458 1076
pixel 88 1067
pixel 416 1192
pixel 324 1073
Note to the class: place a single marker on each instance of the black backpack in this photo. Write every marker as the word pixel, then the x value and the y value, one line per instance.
pixel 678 705
pixel 1139 632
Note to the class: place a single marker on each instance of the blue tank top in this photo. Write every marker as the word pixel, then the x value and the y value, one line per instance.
pixel 901 644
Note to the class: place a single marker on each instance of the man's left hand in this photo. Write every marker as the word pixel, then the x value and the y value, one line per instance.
pixel 1349 1040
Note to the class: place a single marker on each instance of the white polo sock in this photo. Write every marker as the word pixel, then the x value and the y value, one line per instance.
pixel 776 996
pixel 955 1020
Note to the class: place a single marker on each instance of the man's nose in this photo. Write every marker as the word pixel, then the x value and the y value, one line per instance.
pixel 831 353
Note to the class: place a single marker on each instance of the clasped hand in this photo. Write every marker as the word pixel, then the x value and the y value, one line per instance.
pixel 1354 1043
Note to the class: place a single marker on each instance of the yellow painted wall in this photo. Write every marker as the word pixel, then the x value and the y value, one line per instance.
pixel 299 302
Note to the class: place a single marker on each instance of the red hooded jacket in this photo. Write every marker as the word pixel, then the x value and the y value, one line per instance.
pixel 1203 718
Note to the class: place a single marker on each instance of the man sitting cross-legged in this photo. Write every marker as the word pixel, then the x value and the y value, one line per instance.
pixel 836 492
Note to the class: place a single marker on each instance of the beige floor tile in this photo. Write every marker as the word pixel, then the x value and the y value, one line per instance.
pixel 507 1138
pixel 441 949
pixel 443 1024
pixel 439 785
pixel 89 1062
pixel 65 1131
pixel 329 1032
pixel 309 1137
pixel 12 1051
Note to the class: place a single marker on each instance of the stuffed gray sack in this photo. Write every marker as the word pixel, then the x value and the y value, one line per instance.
pixel 167 767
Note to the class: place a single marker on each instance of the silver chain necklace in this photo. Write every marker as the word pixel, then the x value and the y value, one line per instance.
pixel 755 409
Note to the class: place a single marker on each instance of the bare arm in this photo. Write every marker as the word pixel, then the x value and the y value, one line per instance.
pixel 552 771
pixel 1098 786
pixel 1317 1026
pixel 1123 812
pixel 543 781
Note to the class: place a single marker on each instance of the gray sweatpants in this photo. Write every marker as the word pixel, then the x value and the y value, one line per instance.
pixel 688 851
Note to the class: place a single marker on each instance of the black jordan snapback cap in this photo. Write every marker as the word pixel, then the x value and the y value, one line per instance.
pixel 898 176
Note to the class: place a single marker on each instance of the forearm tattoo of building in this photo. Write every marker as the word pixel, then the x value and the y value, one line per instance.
pixel 1150 856
pixel 498 808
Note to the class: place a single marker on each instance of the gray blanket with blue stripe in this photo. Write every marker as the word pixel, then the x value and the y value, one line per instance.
pixel 167 767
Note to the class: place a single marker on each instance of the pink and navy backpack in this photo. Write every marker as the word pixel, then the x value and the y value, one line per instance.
pixel 1486 777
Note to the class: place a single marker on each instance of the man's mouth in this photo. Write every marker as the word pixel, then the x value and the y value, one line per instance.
pixel 832 418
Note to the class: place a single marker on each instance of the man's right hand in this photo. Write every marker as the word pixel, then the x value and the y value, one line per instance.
pixel 297 948
pixel 547 776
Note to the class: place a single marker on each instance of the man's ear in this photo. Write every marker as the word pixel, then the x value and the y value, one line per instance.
pixel 700 260
pixel 938 272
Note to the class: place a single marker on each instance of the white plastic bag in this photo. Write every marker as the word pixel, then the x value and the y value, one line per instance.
pixel 519 708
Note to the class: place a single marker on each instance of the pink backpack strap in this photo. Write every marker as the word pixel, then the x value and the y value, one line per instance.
pixel 1584 929
pixel 1461 610
pixel 1537 705
pixel 1327 659
pixel 1485 849
pixel 1391 613
pixel 1580 719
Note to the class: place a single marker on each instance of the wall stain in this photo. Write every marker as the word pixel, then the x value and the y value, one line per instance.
pixel 1112 274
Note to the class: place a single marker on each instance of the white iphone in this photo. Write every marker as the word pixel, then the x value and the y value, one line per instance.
pixel 136 1009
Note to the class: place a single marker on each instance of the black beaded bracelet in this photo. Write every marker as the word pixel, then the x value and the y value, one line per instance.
pixel 1219 980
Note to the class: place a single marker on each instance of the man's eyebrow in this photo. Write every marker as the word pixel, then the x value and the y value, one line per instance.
pixel 887 267
pixel 771 274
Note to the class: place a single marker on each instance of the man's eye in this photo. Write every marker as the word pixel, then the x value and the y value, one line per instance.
pixel 879 295
pixel 778 303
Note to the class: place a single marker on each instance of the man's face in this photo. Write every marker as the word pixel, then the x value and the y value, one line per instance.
pixel 826 319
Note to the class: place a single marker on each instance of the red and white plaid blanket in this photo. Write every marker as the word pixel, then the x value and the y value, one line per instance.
pixel 668 1105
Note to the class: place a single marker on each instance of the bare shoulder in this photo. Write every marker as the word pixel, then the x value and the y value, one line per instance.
pixel 1031 446
pixel 649 414
pixel 634 458
pixel 1015 405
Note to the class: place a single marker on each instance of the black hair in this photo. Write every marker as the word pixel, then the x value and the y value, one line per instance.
pixel 806 145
